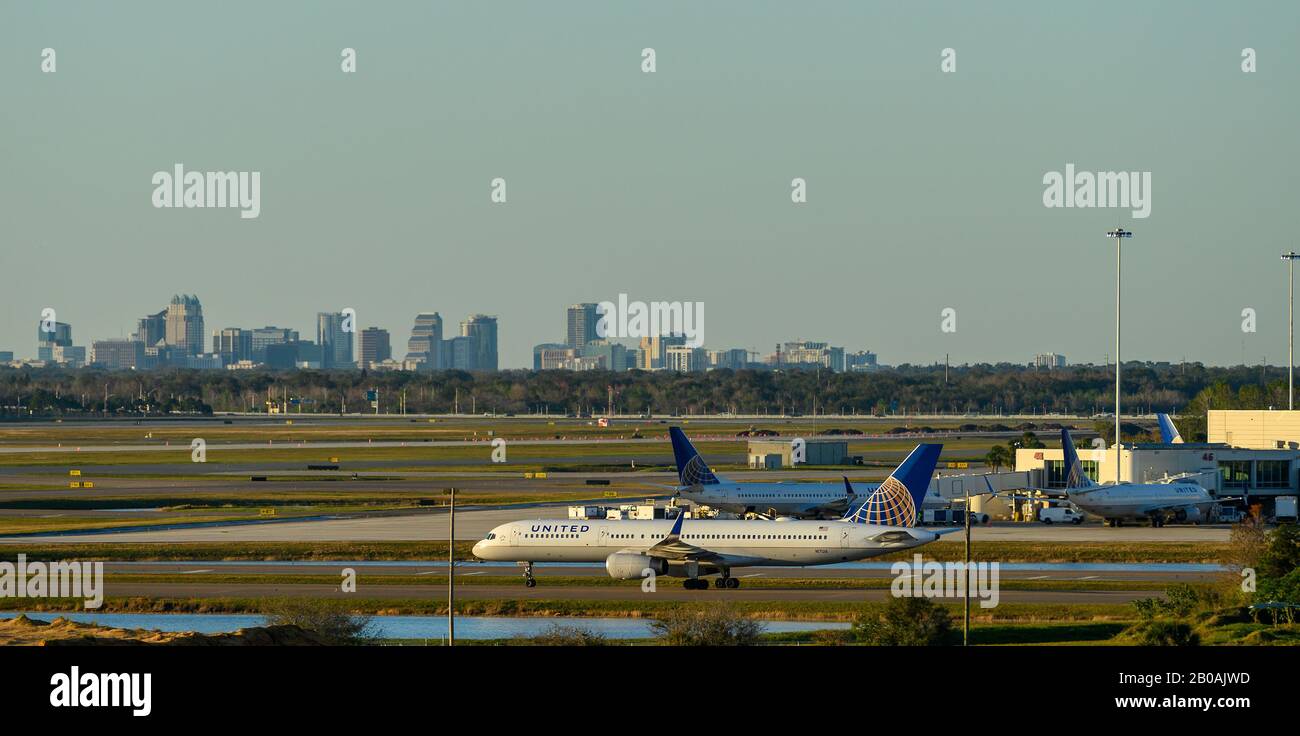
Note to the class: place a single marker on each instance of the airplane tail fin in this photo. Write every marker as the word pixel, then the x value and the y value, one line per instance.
pixel 1168 432
pixel 1074 475
pixel 897 502
pixel 691 468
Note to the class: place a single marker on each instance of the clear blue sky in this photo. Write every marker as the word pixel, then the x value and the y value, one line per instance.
pixel 925 189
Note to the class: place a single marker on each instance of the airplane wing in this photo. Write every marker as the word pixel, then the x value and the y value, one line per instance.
pixel 672 547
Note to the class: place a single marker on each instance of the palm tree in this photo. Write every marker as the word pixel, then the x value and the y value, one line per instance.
pixel 998 456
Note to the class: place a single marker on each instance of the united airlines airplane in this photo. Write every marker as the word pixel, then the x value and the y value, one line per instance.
pixel 699 484
pixel 1154 502
pixel 691 548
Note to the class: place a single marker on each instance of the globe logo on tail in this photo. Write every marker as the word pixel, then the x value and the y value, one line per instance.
pixel 696 472
pixel 890 505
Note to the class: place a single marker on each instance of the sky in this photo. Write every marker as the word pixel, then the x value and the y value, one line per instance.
pixel 924 187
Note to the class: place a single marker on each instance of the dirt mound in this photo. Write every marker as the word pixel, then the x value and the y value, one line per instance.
pixel 22 631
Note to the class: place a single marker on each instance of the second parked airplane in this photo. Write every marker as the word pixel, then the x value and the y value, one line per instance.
pixel 699 484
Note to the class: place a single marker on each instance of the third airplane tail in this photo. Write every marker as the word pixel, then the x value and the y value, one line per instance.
pixel 1074 475
pixel 897 502
pixel 1168 432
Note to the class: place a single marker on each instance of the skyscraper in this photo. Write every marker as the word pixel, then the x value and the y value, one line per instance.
pixel 233 344
pixel 425 345
pixel 151 329
pixel 185 324
pixel 484 329
pixel 654 350
pixel 373 345
pixel 117 354
pixel 60 336
pixel 582 325
pixel 265 336
pixel 335 343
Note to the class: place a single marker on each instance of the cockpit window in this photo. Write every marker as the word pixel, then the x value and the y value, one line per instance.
pixel 491 536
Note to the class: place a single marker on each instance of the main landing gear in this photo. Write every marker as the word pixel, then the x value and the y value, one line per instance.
pixel 529 580
pixel 726 581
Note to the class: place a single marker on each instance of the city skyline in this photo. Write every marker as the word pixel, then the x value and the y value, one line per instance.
pixel 925 190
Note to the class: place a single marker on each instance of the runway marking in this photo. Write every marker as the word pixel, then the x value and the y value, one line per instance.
pixel 429 572
pixel 467 574
pixel 753 575
pixel 1039 577
pixel 191 572
pixel 1088 577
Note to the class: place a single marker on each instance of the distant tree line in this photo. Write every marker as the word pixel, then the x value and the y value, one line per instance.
pixel 980 389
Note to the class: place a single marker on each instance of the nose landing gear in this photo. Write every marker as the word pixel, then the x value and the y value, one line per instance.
pixel 529 580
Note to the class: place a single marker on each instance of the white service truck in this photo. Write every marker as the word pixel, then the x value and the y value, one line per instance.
pixel 1060 515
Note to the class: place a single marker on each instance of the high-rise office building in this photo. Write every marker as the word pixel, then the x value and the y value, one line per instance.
pixel 270 335
pixel 484 329
pixel 612 355
pixel 425 345
pixel 70 356
pixel 582 321
pixel 685 359
pixel 60 336
pixel 233 344
pixel 654 350
pixel 462 353
pixel 335 342
pixel 117 354
pixel 545 355
pixel 185 324
pixel 734 359
pixel 373 346
pixel 151 329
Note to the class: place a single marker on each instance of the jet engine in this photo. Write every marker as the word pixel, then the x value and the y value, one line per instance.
pixel 630 565
pixel 1189 513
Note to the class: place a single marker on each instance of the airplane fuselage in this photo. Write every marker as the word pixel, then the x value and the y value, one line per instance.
pixel 1143 500
pixel 798 499
pixel 738 543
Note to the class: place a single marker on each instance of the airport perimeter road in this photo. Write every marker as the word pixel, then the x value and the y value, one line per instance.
pixel 475 524
pixel 631 593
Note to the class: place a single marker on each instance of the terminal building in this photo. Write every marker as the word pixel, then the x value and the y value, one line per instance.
pixel 1253 455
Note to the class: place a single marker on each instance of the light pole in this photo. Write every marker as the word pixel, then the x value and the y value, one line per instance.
pixel 451 571
pixel 1290 257
pixel 1118 234
pixel 965 629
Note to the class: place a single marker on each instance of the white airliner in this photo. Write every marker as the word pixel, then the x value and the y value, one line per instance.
pixel 690 548
pixel 1153 502
pixel 700 485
